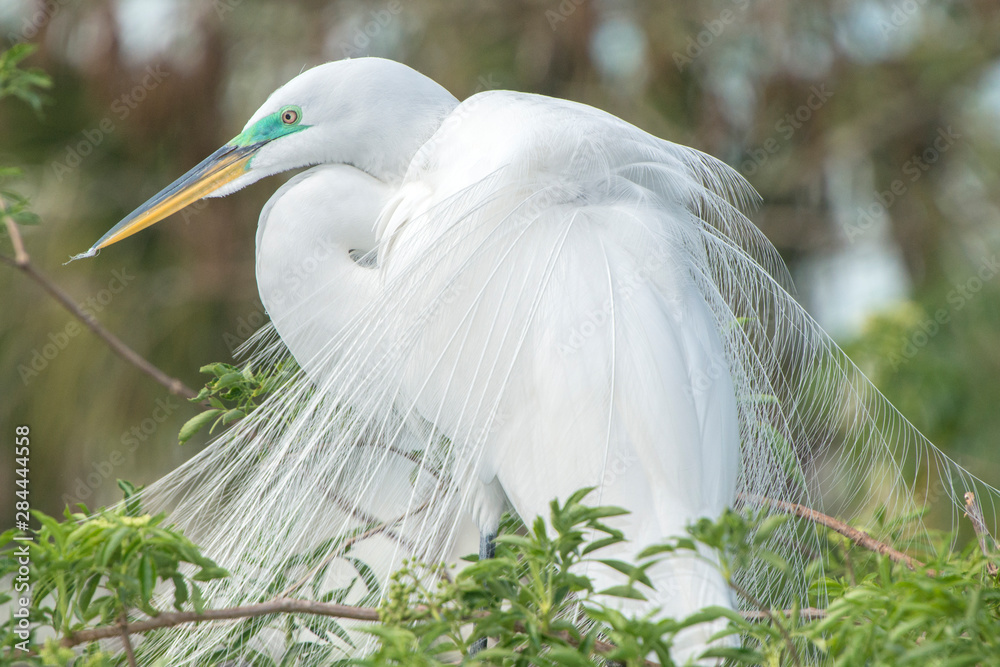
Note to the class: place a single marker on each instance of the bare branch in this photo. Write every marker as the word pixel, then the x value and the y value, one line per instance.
pixel 276 606
pixel 129 651
pixel 859 537
pixel 22 262
pixel 20 255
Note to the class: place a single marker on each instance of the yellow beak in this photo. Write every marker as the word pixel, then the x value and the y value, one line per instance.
pixel 221 167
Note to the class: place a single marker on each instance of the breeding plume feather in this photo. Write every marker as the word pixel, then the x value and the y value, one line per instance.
pixel 497 302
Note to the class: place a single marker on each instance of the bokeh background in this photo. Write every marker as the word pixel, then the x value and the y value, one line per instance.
pixel 871 128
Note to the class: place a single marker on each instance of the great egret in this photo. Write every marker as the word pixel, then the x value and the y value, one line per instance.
pixel 499 301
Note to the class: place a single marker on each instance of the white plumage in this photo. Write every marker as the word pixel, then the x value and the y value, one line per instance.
pixel 500 301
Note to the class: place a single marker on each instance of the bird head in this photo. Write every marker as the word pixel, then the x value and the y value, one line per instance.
pixel 370 113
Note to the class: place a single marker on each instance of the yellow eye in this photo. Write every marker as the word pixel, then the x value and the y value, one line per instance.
pixel 290 116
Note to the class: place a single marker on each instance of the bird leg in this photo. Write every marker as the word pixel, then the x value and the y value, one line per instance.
pixel 487 549
pixel 487 545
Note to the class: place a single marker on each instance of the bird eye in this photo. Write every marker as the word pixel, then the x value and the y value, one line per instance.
pixel 290 115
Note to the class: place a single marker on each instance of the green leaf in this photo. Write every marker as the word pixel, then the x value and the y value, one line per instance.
pixel 231 416
pixel 112 545
pixel 195 424
pixel 230 380
pixel 562 655
pixel 147 577
pixel 86 596
pixel 210 573
pixel 631 571
pixel 20 83
pixel 197 598
pixel 623 592
pixel 180 591
pixel 600 544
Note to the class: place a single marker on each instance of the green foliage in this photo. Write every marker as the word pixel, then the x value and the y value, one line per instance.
pixel 23 84
pixel 310 639
pixel 901 617
pixel 532 600
pixel 880 612
pixel 96 569
pixel 527 600
pixel 13 205
pixel 233 393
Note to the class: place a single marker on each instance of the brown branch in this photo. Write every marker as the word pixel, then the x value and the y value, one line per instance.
pixel 20 255
pixel 129 651
pixel 975 515
pixel 276 606
pixel 22 262
pixel 859 537
pixel 294 605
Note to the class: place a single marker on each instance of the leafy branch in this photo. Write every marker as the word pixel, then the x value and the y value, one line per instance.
pixel 233 393
pixel 24 84
pixel 529 600
pixel 14 210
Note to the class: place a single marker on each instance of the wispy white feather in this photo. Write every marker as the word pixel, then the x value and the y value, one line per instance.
pixel 521 298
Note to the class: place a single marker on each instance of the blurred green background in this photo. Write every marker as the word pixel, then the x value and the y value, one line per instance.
pixel 870 127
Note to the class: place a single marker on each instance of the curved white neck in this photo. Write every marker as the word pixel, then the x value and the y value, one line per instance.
pixel 309 284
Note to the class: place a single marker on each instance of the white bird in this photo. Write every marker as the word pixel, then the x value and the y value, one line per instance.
pixel 498 302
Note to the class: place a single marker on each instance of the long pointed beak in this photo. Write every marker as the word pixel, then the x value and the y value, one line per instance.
pixel 219 168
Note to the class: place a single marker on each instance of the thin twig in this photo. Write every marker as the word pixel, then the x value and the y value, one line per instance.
pixel 975 515
pixel 371 532
pixel 859 537
pixel 805 614
pixel 20 255
pixel 365 518
pixel 129 652
pixel 22 262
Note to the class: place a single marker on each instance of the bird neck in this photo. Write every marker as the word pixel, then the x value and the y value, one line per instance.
pixel 387 155
pixel 309 282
